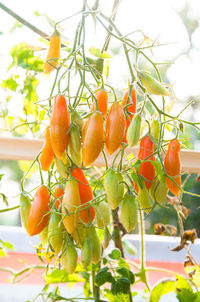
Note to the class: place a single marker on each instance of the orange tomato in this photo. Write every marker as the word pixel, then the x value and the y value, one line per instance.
pixel 172 166
pixel 92 138
pixel 47 154
pixel 130 109
pixel 115 127
pixel 53 53
pixel 38 215
pixel 146 169
pixel 60 123
pixel 102 102
pixel 59 193
pixel 71 201
pixel 86 194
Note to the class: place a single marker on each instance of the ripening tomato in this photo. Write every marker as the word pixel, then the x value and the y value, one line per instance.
pixel 71 201
pixel 102 102
pixel 147 169
pixel 38 215
pixel 59 193
pixel 92 138
pixel 47 154
pixel 172 166
pixel 115 127
pixel 130 109
pixel 53 53
pixel 88 214
pixel 60 123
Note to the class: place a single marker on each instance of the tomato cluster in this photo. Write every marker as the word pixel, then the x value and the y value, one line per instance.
pixel 66 212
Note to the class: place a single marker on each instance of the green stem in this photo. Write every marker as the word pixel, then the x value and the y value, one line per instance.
pixel 9 209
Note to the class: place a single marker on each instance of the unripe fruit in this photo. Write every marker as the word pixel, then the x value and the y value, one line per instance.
pixel 106 238
pixel 158 191
pixel 129 212
pixel 96 245
pixel 25 205
pixel 102 214
pixel 44 235
pixel 114 188
pixel 55 232
pixel 152 85
pixel 79 234
pixel 133 133
pixel 86 252
pixel 75 146
pixel 69 258
pixel 144 199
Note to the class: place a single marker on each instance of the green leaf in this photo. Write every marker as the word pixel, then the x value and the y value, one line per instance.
pixel 131 249
pixel 8 245
pixel 103 276
pixel 1 175
pixel 10 84
pixel 2 253
pixel 122 285
pixel 184 290
pixel 115 254
pixel 97 53
pixel 195 270
pixel 126 273
pixel 5 200
pixel 15 26
pixel 60 276
pixel 162 288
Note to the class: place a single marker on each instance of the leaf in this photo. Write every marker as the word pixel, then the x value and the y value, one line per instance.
pixel 103 276
pixel 126 273
pixel 60 276
pixel 131 249
pixel 115 254
pixel 97 53
pixel 1 175
pixel 15 26
pixel 194 272
pixel 8 245
pixel 122 285
pixel 10 84
pixel 2 253
pixel 184 290
pixel 5 200
pixel 162 288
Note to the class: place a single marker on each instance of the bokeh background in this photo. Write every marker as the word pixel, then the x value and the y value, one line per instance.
pixel 174 23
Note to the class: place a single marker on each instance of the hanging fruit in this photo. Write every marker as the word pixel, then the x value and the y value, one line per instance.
pixel 47 154
pixel 131 109
pixel 53 53
pixel 102 102
pixel 115 127
pixel 114 188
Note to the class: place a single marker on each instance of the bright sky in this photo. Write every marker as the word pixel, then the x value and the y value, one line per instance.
pixel 157 19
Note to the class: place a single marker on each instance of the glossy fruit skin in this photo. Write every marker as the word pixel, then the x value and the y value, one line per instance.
pixel 69 258
pixel 172 166
pixel 71 201
pixel 147 169
pixel 77 120
pixel 53 53
pixel 75 145
pixel 102 214
pixel 115 127
pixel 47 154
pixel 151 84
pixel 60 123
pixel 92 138
pixel 133 133
pixel 55 232
pixel 129 212
pixel 102 102
pixel 61 167
pixel 79 234
pixel 59 193
pixel 155 130
pixel 114 188
pixel 44 235
pixel 158 191
pixel 130 109
pixel 85 191
pixel 95 244
pixel 86 252
pixel 38 215
pixel 144 199
pixel 25 205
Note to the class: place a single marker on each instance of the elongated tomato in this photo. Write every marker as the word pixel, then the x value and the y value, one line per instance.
pixel 172 166
pixel 115 127
pixel 130 109
pixel 87 214
pixel 102 102
pixel 53 53
pixel 38 215
pixel 47 154
pixel 60 123
pixel 59 193
pixel 92 138
pixel 71 201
